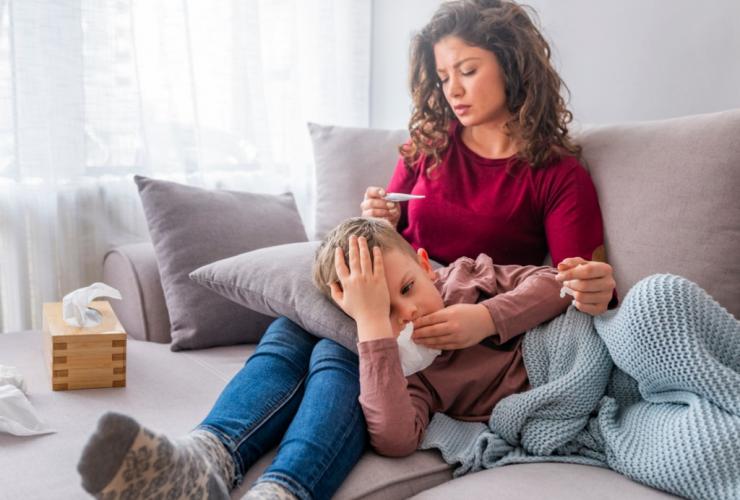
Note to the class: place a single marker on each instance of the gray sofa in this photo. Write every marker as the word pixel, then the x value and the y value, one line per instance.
pixel 668 193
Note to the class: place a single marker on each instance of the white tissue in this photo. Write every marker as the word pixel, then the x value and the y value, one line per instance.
pixel 414 357
pixel 75 311
pixel 566 290
pixel 17 416
pixel 11 375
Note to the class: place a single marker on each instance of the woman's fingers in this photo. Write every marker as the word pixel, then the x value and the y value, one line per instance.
pixel 570 262
pixel 586 270
pixel 592 298
pixel 373 204
pixel 592 309
pixel 378 208
pixel 591 285
pixel 374 192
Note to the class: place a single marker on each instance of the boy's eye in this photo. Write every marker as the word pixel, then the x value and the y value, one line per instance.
pixel 407 288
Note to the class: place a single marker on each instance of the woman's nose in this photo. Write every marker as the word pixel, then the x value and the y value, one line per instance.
pixel 455 89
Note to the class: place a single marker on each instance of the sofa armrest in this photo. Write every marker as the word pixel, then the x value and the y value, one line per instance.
pixel 132 269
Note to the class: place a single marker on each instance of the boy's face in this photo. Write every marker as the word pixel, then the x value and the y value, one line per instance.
pixel 410 286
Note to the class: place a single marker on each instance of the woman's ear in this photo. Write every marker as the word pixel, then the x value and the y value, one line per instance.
pixel 423 257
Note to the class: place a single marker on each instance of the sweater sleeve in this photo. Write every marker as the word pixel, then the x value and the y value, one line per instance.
pixel 522 297
pixel 396 408
pixel 572 216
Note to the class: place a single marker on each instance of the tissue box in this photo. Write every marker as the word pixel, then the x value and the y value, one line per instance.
pixel 84 358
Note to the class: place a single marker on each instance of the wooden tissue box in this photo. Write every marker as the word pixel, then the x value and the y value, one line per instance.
pixel 84 358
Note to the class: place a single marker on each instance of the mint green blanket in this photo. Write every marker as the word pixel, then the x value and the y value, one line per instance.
pixel 651 390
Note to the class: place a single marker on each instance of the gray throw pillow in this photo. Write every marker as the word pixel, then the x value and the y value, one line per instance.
pixel 277 281
pixel 190 227
pixel 348 160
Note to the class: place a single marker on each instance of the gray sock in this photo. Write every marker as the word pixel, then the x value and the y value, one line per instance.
pixel 123 459
pixel 267 490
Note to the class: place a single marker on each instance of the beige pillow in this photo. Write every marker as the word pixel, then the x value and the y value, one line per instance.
pixel 348 160
pixel 670 196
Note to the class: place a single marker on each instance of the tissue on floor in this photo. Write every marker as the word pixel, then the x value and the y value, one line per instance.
pixel 17 415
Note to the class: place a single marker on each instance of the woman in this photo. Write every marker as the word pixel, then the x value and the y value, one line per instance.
pixel 490 151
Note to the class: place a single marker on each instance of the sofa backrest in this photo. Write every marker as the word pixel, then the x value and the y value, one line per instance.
pixel 670 197
pixel 668 192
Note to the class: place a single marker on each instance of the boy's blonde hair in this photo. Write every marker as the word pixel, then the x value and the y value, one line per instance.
pixel 377 232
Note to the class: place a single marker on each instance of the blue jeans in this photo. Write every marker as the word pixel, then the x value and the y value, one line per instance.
pixel 301 393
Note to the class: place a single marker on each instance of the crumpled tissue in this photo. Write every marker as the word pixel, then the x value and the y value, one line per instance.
pixel 414 357
pixel 75 310
pixel 17 415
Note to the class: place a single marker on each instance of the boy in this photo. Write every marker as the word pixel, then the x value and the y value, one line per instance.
pixel 386 284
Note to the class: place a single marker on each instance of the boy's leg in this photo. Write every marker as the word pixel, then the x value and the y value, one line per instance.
pixel 248 419
pixel 328 434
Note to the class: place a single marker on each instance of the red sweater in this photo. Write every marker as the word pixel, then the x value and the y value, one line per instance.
pixel 473 205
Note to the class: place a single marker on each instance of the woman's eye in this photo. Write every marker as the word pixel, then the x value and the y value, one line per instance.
pixel 407 288
pixel 468 73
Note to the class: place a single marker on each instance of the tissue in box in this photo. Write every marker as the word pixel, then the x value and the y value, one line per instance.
pixel 84 358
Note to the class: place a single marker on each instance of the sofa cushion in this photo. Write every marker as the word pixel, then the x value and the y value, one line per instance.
pixel 554 481
pixel 167 392
pixel 348 160
pixel 132 270
pixel 668 192
pixel 277 281
pixel 190 227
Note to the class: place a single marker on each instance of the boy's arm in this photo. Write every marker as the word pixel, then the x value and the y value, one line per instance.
pixel 396 408
pixel 524 297
pixel 396 420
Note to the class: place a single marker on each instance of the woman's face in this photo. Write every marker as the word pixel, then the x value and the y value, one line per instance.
pixel 472 82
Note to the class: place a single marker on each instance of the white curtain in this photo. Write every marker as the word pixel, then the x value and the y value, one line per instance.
pixel 214 93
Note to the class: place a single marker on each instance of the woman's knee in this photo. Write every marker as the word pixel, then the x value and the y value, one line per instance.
pixel 285 336
pixel 330 354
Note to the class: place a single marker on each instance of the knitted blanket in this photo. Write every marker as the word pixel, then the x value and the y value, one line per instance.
pixel 651 390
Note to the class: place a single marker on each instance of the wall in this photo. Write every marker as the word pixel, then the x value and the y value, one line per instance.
pixel 623 61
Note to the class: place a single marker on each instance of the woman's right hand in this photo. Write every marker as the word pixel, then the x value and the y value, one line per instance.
pixel 375 206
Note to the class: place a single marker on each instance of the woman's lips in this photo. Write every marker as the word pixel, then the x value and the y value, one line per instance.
pixel 461 110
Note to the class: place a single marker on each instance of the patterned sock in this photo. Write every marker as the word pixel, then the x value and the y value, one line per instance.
pixel 123 459
pixel 267 490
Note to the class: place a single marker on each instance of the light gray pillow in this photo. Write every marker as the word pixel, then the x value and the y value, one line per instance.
pixel 277 281
pixel 348 160
pixel 668 192
pixel 190 227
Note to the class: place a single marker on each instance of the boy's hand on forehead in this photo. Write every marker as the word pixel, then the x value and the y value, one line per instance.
pixel 363 293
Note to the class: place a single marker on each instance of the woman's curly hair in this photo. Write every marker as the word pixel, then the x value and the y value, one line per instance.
pixel 539 114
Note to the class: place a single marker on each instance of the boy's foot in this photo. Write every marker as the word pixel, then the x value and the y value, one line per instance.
pixel 268 490
pixel 124 460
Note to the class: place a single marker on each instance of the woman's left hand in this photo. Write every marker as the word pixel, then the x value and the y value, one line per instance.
pixel 592 283
pixel 454 327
